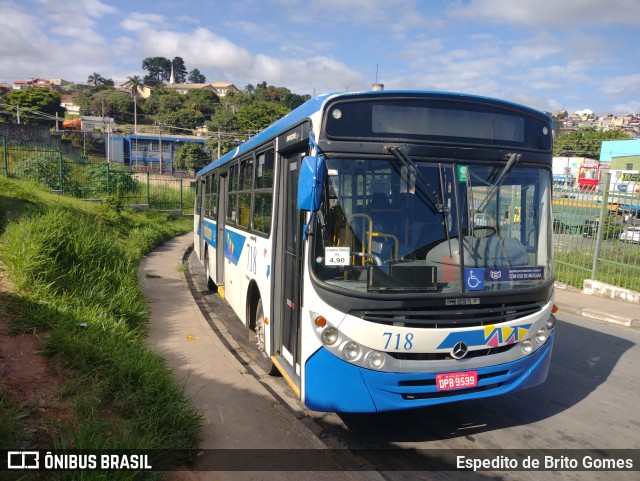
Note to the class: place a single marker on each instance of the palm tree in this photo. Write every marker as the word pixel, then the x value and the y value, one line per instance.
pixel 135 82
pixel 95 79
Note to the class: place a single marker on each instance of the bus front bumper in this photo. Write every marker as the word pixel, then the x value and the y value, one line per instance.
pixel 334 385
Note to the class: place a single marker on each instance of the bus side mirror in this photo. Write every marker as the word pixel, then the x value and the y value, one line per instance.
pixel 310 183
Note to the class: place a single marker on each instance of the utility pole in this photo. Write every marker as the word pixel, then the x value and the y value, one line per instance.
pixel 18 113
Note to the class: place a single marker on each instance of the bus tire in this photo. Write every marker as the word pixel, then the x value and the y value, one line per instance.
pixel 264 360
pixel 207 272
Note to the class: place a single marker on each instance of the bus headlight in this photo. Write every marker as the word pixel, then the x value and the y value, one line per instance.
pixel 351 351
pixel 527 347
pixel 375 360
pixel 329 336
pixel 551 322
pixel 541 335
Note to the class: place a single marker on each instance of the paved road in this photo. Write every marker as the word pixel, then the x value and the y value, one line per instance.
pixel 590 401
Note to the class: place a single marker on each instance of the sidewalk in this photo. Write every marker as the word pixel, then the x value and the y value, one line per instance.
pixel 571 300
pixel 240 413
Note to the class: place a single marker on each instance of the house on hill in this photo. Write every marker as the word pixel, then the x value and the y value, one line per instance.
pixel 220 88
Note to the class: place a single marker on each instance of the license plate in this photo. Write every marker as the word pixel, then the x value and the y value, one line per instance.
pixel 456 380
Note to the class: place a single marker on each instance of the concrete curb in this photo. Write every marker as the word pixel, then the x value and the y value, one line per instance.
pixel 599 316
pixel 245 365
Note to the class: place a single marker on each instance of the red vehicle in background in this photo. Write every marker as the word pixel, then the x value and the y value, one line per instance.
pixel 590 174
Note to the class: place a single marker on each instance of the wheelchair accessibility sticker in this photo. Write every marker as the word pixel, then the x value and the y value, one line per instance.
pixel 474 278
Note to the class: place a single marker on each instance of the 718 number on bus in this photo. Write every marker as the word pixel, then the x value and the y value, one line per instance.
pixel 397 342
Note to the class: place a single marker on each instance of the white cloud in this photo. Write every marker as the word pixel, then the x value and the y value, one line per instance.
pixel 136 21
pixel 76 19
pixel 556 13
pixel 626 85
pixel 632 107
pixel 27 51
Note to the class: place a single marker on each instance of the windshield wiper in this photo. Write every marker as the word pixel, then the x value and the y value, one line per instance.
pixel 512 160
pixel 423 185
pixel 436 202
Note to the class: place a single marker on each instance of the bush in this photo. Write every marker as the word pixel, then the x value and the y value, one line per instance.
pixel 121 181
pixel 46 168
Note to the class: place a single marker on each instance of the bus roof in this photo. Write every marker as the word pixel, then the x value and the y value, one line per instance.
pixel 294 117
pixel 313 105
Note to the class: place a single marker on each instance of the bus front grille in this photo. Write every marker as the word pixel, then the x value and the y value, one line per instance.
pixel 447 317
pixel 443 356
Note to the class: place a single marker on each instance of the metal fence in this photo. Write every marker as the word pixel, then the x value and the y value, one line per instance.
pixel 95 179
pixel 584 246
pixel 597 235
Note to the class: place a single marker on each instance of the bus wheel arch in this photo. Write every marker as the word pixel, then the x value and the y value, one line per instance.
pixel 255 322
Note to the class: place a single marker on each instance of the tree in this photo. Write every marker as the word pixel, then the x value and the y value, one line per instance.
pixel 259 115
pixel 221 123
pixel 159 69
pixel 293 101
pixel 95 79
pixel 202 100
pixel 191 157
pixel 170 102
pixel 584 143
pixel 179 70
pixel 135 82
pixel 35 99
pixel 107 103
pixel 195 77
pixel 183 119
pixel 152 104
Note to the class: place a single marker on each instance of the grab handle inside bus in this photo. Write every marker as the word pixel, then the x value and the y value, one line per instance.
pixel 310 183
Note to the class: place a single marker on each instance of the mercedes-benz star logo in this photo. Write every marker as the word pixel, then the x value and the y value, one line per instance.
pixel 459 350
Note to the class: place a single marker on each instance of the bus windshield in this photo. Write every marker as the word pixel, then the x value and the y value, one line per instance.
pixel 388 226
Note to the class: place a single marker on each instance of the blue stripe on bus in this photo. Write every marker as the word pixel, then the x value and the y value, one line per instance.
pixel 332 384
pixel 233 241
pixel 233 245
pixel 209 233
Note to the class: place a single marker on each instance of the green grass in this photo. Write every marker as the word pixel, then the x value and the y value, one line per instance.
pixel 74 268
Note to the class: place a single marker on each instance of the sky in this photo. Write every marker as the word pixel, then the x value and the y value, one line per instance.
pixel 552 55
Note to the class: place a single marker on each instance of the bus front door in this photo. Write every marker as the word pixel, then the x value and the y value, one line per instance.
pixel 288 264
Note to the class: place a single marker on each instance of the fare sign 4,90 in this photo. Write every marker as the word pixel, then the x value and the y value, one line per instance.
pixel 337 256
pixel 456 380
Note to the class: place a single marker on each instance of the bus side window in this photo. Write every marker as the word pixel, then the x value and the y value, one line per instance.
pixel 263 192
pixel 232 210
pixel 244 188
pixel 213 198
pixel 207 193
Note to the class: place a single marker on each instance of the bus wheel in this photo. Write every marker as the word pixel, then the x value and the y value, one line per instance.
pixel 207 271
pixel 264 360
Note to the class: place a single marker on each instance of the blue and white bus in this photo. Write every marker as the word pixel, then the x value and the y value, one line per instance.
pixel 390 249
